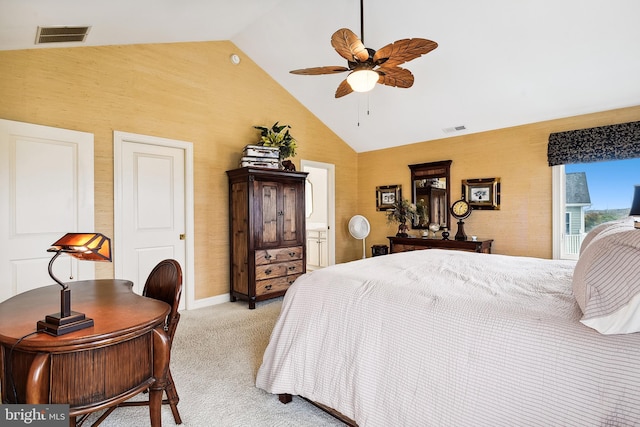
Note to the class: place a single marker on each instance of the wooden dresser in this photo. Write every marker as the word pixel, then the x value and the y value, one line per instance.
pixel 404 244
pixel 267 232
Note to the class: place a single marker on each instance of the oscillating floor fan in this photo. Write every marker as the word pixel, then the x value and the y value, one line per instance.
pixel 359 228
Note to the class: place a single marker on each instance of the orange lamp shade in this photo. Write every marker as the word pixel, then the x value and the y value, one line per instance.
pixel 84 246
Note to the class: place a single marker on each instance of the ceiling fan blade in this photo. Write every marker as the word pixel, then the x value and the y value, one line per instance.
pixel 343 89
pixel 403 51
pixel 349 46
pixel 332 69
pixel 395 76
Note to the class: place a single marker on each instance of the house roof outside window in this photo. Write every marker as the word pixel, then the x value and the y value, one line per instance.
pixel 577 190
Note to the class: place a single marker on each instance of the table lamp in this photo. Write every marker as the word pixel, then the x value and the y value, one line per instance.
pixel 84 246
pixel 635 206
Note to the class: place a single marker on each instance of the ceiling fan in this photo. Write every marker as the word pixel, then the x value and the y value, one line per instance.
pixel 367 66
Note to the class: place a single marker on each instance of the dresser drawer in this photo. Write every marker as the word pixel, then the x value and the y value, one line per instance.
pixel 404 244
pixel 268 271
pixel 405 248
pixel 268 256
pixel 277 284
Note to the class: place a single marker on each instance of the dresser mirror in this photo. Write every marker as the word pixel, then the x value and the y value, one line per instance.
pixel 430 193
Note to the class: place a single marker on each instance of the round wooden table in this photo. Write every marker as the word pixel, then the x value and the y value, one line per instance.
pixel 124 353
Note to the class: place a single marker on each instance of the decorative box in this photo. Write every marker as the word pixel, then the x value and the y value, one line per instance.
pixel 260 162
pixel 261 151
pixel 377 250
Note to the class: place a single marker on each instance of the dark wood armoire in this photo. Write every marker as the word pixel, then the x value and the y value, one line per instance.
pixel 267 232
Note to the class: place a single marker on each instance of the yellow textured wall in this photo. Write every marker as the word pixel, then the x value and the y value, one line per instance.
pixel 517 155
pixel 192 92
pixel 184 91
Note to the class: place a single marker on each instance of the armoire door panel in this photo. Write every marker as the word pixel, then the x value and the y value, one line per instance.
pixel 290 214
pixel 270 213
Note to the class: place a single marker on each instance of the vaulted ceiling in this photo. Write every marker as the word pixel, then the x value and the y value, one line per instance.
pixel 499 63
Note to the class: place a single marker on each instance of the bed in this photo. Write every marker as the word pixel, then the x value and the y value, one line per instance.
pixel 449 338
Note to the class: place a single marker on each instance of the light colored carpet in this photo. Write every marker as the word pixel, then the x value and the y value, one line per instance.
pixel 216 354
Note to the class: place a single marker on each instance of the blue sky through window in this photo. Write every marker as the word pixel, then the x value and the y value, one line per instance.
pixel 610 183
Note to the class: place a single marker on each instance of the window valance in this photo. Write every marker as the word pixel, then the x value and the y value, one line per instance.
pixel 613 142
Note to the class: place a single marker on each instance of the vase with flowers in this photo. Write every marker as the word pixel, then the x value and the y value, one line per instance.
pixel 401 212
pixel 278 136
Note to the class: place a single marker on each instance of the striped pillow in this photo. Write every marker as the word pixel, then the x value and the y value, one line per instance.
pixel 606 280
pixel 607 227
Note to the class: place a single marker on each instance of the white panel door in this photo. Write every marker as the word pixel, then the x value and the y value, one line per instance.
pixel 151 222
pixel 46 190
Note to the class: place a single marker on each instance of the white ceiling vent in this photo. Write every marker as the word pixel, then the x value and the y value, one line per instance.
pixel 454 129
pixel 62 34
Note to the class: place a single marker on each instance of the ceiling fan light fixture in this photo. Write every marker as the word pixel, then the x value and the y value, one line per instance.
pixel 362 80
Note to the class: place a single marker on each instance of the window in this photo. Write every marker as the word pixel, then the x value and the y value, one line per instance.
pixel 588 194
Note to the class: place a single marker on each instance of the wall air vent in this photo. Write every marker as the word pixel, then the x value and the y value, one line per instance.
pixel 454 129
pixel 62 34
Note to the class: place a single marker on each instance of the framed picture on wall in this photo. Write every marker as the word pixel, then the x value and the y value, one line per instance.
pixel 482 193
pixel 387 195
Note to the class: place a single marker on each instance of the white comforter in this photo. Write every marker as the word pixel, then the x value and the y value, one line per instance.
pixel 448 338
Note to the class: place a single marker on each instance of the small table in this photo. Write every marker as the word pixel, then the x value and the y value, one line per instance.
pixel 404 244
pixel 124 353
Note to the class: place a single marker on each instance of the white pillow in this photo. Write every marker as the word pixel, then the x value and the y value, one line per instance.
pixel 606 280
pixel 624 321
pixel 605 226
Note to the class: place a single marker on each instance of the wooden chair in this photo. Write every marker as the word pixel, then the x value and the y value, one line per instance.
pixel 165 284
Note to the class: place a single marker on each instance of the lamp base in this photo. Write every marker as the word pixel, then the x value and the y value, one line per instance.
pixel 55 324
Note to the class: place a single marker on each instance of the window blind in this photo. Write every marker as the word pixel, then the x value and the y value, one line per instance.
pixel 612 142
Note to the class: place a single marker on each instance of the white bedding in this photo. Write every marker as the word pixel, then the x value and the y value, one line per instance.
pixel 448 338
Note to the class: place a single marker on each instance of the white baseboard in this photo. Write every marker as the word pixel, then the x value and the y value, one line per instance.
pixel 208 302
